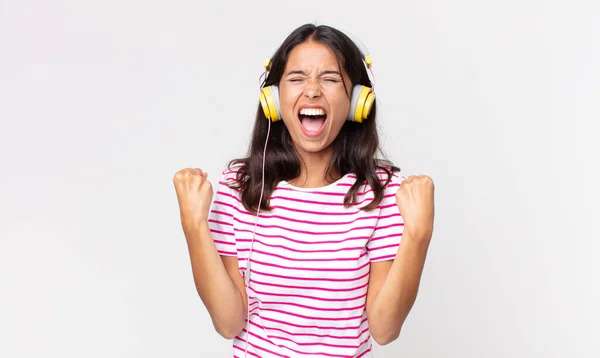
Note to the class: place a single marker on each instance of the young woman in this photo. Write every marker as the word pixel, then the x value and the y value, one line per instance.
pixel 313 246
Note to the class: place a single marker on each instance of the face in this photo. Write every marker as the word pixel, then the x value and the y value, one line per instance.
pixel 313 100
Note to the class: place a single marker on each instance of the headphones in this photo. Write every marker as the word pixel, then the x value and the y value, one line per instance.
pixel 361 101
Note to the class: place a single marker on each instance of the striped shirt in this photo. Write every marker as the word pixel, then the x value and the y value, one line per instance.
pixel 309 268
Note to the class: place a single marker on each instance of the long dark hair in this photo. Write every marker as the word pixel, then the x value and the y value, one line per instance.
pixel 354 148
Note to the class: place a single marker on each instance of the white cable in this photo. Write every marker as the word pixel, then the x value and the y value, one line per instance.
pixel 262 189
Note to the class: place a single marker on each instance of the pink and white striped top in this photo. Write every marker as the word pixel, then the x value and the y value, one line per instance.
pixel 309 265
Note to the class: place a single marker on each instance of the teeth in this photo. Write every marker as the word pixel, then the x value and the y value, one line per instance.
pixel 312 112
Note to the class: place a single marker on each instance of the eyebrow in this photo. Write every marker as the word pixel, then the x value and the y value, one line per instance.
pixel 326 72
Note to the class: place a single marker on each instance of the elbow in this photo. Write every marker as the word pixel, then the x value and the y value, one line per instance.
pixel 229 330
pixel 384 328
pixel 229 333
pixel 385 338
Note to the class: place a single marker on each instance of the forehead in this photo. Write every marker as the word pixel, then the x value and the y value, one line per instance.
pixel 312 54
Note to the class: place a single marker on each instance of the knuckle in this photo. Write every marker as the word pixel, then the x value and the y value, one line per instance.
pixel 179 174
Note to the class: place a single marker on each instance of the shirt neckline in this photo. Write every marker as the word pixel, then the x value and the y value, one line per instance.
pixel 286 184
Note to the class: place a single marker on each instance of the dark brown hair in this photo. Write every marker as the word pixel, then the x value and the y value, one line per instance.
pixel 354 148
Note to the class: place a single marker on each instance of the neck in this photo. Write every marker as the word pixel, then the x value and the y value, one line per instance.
pixel 313 171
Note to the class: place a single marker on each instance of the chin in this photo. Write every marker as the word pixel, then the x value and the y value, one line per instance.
pixel 309 146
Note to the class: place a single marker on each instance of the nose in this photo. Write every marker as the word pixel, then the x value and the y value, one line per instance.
pixel 312 89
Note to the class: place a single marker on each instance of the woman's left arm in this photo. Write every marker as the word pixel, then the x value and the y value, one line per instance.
pixel 393 285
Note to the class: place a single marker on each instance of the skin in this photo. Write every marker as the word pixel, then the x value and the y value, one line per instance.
pixel 309 79
pixel 218 283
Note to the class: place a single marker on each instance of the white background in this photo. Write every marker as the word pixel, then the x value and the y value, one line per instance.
pixel 101 102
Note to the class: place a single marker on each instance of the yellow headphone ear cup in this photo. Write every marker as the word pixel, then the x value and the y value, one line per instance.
pixel 368 105
pixel 269 100
pixel 361 103
pixel 265 106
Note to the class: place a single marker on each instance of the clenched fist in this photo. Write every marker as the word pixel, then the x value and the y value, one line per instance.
pixel 194 194
pixel 416 204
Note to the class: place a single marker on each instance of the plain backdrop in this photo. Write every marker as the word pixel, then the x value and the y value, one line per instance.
pixel 101 102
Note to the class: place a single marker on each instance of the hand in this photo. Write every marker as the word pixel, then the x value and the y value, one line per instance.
pixel 416 204
pixel 194 194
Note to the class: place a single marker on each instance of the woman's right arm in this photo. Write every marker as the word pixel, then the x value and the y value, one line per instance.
pixel 218 282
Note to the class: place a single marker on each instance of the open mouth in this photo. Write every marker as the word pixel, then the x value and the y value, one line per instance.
pixel 312 120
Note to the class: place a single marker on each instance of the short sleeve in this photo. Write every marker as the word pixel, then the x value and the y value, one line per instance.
pixel 385 241
pixel 221 216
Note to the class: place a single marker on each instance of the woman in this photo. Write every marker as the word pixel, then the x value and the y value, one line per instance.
pixel 300 255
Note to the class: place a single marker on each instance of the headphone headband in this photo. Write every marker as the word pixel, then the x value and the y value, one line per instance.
pixel 366 56
pixel 362 48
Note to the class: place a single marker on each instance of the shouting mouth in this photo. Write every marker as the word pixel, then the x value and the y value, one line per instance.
pixel 312 120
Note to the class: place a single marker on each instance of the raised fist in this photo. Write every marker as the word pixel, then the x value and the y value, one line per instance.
pixel 194 194
pixel 415 200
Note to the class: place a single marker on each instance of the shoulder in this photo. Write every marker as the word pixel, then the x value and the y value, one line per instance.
pixel 228 183
pixel 232 171
pixel 231 175
pixel 389 176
